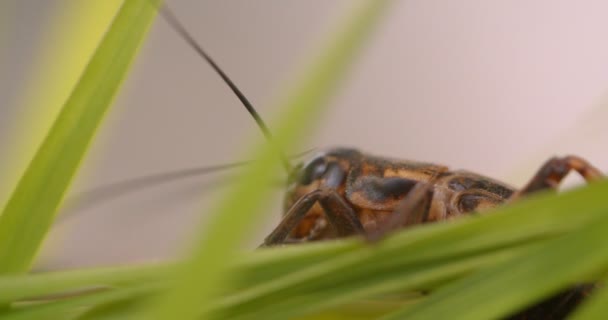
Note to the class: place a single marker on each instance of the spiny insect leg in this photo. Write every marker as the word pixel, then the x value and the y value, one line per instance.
pixel 339 214
pixel 555 170
pixel 413 209
pixel 549 176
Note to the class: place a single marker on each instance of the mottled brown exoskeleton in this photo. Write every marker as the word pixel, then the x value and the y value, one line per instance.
pixel 344 192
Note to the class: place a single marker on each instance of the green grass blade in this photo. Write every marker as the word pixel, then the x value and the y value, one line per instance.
pixel 517 224
pixel 72 308
pixel 595 307
pixel 398 279
pixel 19 287
pixel 280 273
pixel 30 210
pixel 330 274
pixel 365 309
pixel 509 287
pixel 114 310
pixel 254 268
pixel 66 49
pixel 204 273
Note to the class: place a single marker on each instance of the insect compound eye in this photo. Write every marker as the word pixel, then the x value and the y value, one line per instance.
pixel 313 170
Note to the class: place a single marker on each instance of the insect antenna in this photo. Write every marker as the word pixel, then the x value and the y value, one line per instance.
pixel 122 188
pixel 99 195
pixel 110 191
pixel 179 28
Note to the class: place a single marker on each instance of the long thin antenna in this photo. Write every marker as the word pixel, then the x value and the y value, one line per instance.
pixel 104 193
pixel 125 187
pixel 175 23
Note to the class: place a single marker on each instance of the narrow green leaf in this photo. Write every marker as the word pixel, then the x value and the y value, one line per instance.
pixel 520 223
pixel 373 284
pixel 365 309
pixel 254 268
pixel 204 275
pixel 329 274
pixel 596 306
pixel 73 307
pixel 66 48
pixel 290 271
pixel 31 208
pixel 113 310
pixel 19 287
pixel 511 286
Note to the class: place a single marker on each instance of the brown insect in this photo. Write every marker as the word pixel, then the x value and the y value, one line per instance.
pixel 344 192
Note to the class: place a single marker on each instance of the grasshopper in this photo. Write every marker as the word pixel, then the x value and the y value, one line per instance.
pixel 342 192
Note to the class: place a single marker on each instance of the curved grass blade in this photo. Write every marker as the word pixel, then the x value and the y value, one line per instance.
pixel 66 49
pixel 509 287
pixel 31 208
pixel 256 267
pixel 204 273
pixel 530 220
pixel 20 287
pixel 286 273
pixel 113 310
pixel 413 279
pixel 596 307
pixel 74 307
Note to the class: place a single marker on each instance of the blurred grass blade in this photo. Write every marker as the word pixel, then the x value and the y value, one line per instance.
pixel 297 280
pixel 534 219
pixel 371 284
pixel 66 49
pixel 595 307
pixel 255 267
pixel 72 308
pixel 113 310
pixel 19 287
pixel 499 291
pixel 351 271
pixel 239 213
pixel 31 208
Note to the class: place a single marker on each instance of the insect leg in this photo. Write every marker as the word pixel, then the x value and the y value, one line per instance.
pixel 555 170
pixel 548 177
pixel 413 209
pixel 338 213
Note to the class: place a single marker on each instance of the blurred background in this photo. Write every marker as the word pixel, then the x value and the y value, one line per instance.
pixel 493 87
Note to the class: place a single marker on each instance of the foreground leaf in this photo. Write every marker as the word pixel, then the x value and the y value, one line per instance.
pixel 292 281
pixel 595 307
pixel 511 286
pixel 204 275
pixel 30 210
pixel 529 221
